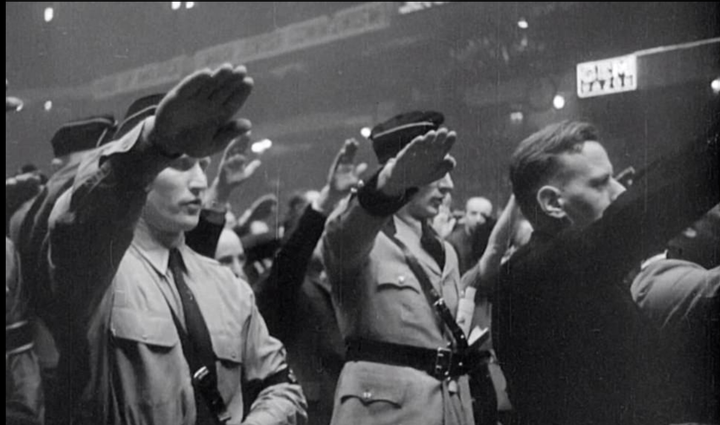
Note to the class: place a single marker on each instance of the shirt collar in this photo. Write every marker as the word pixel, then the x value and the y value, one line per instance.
pixel 152 250
pixel 405 227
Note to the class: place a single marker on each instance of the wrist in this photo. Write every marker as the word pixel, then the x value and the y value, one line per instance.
pixel 149 134
pixel 216 199
pixel 378 203
pixel 384 182
pixel 325 203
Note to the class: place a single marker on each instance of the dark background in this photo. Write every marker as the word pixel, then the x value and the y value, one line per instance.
pixel 470 61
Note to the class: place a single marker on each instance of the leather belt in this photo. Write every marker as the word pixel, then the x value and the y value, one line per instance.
pixel 440 363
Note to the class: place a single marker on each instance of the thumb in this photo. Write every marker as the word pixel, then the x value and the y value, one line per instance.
pixel 252 167
pixel 360 169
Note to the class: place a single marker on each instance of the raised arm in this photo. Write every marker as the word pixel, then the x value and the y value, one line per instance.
pixel 92 225
pixel 351 232
pixel 480 276
pixel 233 172
pixel 276 296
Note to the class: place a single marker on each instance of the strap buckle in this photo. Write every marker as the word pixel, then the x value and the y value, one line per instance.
pixel 443 363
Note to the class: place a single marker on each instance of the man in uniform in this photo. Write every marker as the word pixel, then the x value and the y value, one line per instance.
pixel 153 332
pixel 404 360
pixel 23 387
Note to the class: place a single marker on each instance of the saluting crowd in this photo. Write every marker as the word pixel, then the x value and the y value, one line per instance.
pixel 135 295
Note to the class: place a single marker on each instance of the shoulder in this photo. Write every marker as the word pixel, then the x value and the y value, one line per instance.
pixel 674 279
pixel 215 272
pixel 670 290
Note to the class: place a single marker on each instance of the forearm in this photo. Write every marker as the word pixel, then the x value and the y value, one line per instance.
pixel 291 262
pixel 270 393
pixel 674 192
pixel 204 238
pixel 92 225
pixel 351 231
pixel 278 404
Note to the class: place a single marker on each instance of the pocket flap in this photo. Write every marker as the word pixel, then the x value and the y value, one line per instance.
pixel 397 279
pixel 144 327
pixel 227 348
pixel 369 390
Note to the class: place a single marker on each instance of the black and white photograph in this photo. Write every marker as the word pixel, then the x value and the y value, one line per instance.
pixel 348 213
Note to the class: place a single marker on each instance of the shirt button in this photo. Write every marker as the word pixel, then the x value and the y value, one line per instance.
pixel 367 395
pixel 401 279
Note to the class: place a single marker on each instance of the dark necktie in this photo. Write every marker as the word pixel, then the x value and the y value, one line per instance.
pixel 197 345
pixel 431 243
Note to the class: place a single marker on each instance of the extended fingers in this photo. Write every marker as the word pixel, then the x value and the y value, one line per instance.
pixel 238 94
pixel 194 85
pixel 348 152
pixel 239 145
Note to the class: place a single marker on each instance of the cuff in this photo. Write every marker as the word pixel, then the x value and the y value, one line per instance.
pixel 377 203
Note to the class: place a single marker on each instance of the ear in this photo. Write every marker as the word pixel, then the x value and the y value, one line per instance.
pixel 550 201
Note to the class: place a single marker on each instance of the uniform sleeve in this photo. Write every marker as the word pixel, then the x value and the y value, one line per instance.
pixel 677 293
pixel 23 390
pixel 279 400
pixel 276 295
pixel 351 230
pixel 91 225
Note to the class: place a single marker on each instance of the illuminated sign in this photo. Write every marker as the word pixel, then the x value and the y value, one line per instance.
pixel 607 76
pixel 416 6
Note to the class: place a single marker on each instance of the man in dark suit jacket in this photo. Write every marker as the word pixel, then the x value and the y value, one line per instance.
pixel 573 345
pixel 295 299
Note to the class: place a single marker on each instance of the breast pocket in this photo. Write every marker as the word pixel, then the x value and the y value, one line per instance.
pixel 153 329
pixel 148 362
pixel 397 278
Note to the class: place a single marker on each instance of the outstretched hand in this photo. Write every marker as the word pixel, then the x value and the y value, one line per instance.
pixel 421 162
pixel 232 173
pixel 343 176
pixel 196 117
pixel 234 167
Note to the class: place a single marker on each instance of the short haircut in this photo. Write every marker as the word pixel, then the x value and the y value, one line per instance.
pixel 534 162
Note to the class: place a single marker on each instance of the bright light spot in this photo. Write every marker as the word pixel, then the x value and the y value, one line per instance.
pixel 20 107
pixel 558 102
pixel 715 85
pixel 365 132
pixel 49 14
pixel 175 5
pixel 522 23
pixel 48 105
pixel 261 146
pixel 189 4
pixel 516 117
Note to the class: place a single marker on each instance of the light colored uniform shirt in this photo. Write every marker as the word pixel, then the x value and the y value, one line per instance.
pixel 114 281
pixel 377 297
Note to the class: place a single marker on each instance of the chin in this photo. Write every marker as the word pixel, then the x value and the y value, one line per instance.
pixel 183 224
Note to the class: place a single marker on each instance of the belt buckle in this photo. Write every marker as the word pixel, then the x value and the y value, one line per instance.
pixel 443 363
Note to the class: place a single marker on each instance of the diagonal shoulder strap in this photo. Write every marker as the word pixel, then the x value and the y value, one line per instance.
pixel 432 296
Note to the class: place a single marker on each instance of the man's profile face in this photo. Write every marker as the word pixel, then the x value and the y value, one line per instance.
pixel 175 199
pixel 477 211
pixel 426 203
pixel 586 183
